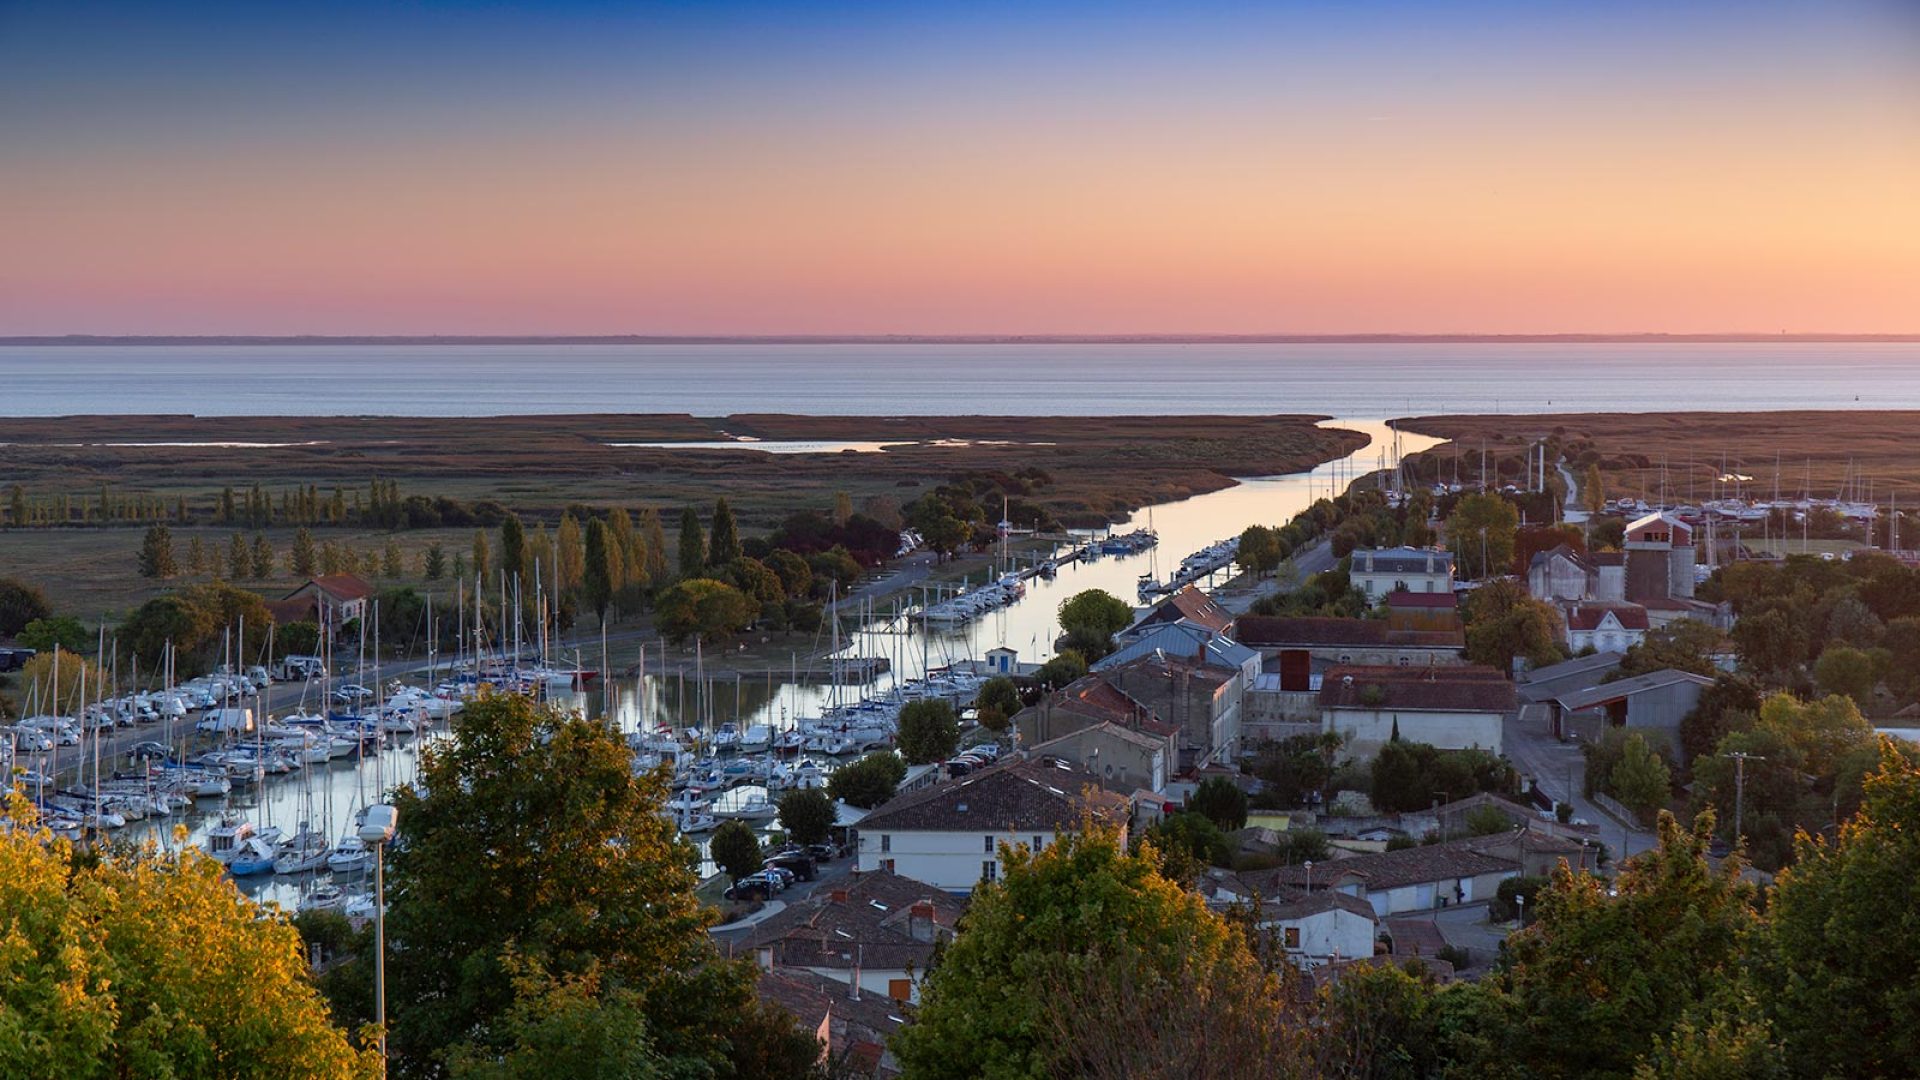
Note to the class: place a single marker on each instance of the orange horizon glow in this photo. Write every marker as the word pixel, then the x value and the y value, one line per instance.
pixel 1083 196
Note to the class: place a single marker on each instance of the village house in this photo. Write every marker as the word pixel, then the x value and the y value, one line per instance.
pixel 1423 612
pixel 1085 702
pixel 874 931
pixel 1452 708
pixel 1377 572
pixel 1653 703
pixel 1125 759
pixel 853 1028
pixel 1541 685
pixel 1659 559
pixel 1561 573
pixel 1186 604
pixel 1209 648
pixel 1309 928
pixel 949 836
pixel 1410 879
pixel 1291 646
pixel 1204 702
pixel 1604 627
pixel 330 600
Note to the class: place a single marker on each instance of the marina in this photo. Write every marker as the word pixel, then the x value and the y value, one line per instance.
pixel 734 744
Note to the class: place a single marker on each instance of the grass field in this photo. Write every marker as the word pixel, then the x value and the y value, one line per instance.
pixel 1101 469
pixel 1816 451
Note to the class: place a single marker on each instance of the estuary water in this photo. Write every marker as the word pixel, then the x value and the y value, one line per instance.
pixel 1397 379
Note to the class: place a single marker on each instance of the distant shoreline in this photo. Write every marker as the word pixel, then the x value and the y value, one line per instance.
pixel 964 339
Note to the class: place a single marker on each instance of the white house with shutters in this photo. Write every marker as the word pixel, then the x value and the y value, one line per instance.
pixel 949 835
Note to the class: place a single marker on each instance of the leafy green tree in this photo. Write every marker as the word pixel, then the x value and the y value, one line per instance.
pixel 513 547
pixel 1504 624
pixel 735 849
pixel 156 553
pixel 1023 989
pixel 807 814
pixel 724 545
pixel 61 631
pixel 1259 551
pixel 20 604
pixel 303 559
pixel 1771 642
pixel 868 782
pixel 1481 534
pixel 597 576
pixel 1729 1047
pixel 1641 779
pixel 239 558
pixel 147 963
pixel 757 580
pixel 795 575
pixel 1596 979
pixel 569 553
pixel 1065 666
pixel 1844 932
pixel 704 607
pixel 653 543
pixel 1683 645
pixel 260 566
pixel 929 731
pixel 300 638
pixel 1593 490
pixel 1821 732
pixel 528 834
pixel 565 1027
pixel 693 545
pixel 1090 618
pixel 1187 843
pixel 1845 670
pixel 1220 801
pixel 996 703
pixel 433 565
pixel 480 555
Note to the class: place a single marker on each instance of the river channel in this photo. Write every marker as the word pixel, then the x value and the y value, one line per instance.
pixel 327 795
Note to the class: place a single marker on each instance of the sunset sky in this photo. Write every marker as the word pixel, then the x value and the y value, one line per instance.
pixel 1520 166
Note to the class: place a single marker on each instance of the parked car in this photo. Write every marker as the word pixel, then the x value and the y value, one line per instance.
pixel 823 852
pixel 798 866
pixel 751 888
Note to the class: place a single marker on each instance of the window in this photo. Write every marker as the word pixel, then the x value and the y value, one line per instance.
pixel 989 845
pixel 886 842
pixel 900 989
pixel 989 871
pixel 887 865
pixel 1293 937
pixel 1037 842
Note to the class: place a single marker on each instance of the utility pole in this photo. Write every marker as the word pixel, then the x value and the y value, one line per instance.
pixel 1740 759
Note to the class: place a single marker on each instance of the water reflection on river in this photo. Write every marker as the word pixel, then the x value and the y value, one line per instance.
pixel 327 795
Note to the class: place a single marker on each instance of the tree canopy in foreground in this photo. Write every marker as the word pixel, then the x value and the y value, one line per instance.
pixel 150 964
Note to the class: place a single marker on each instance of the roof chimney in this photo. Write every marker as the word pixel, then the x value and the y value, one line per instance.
pixel 838 896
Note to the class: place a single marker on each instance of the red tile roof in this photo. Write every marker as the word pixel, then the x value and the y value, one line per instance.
pixel 1192 605
pixel 338 586
pixel 1588 616
pixel 1458 688
pixel 1401 598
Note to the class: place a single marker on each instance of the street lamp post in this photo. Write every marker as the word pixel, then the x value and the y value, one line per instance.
pixel 377 830
pixel 1309 866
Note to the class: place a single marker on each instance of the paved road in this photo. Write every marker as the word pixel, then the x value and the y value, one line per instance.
pixel 1572 512
pixel 1314 560
pixel 1560 769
